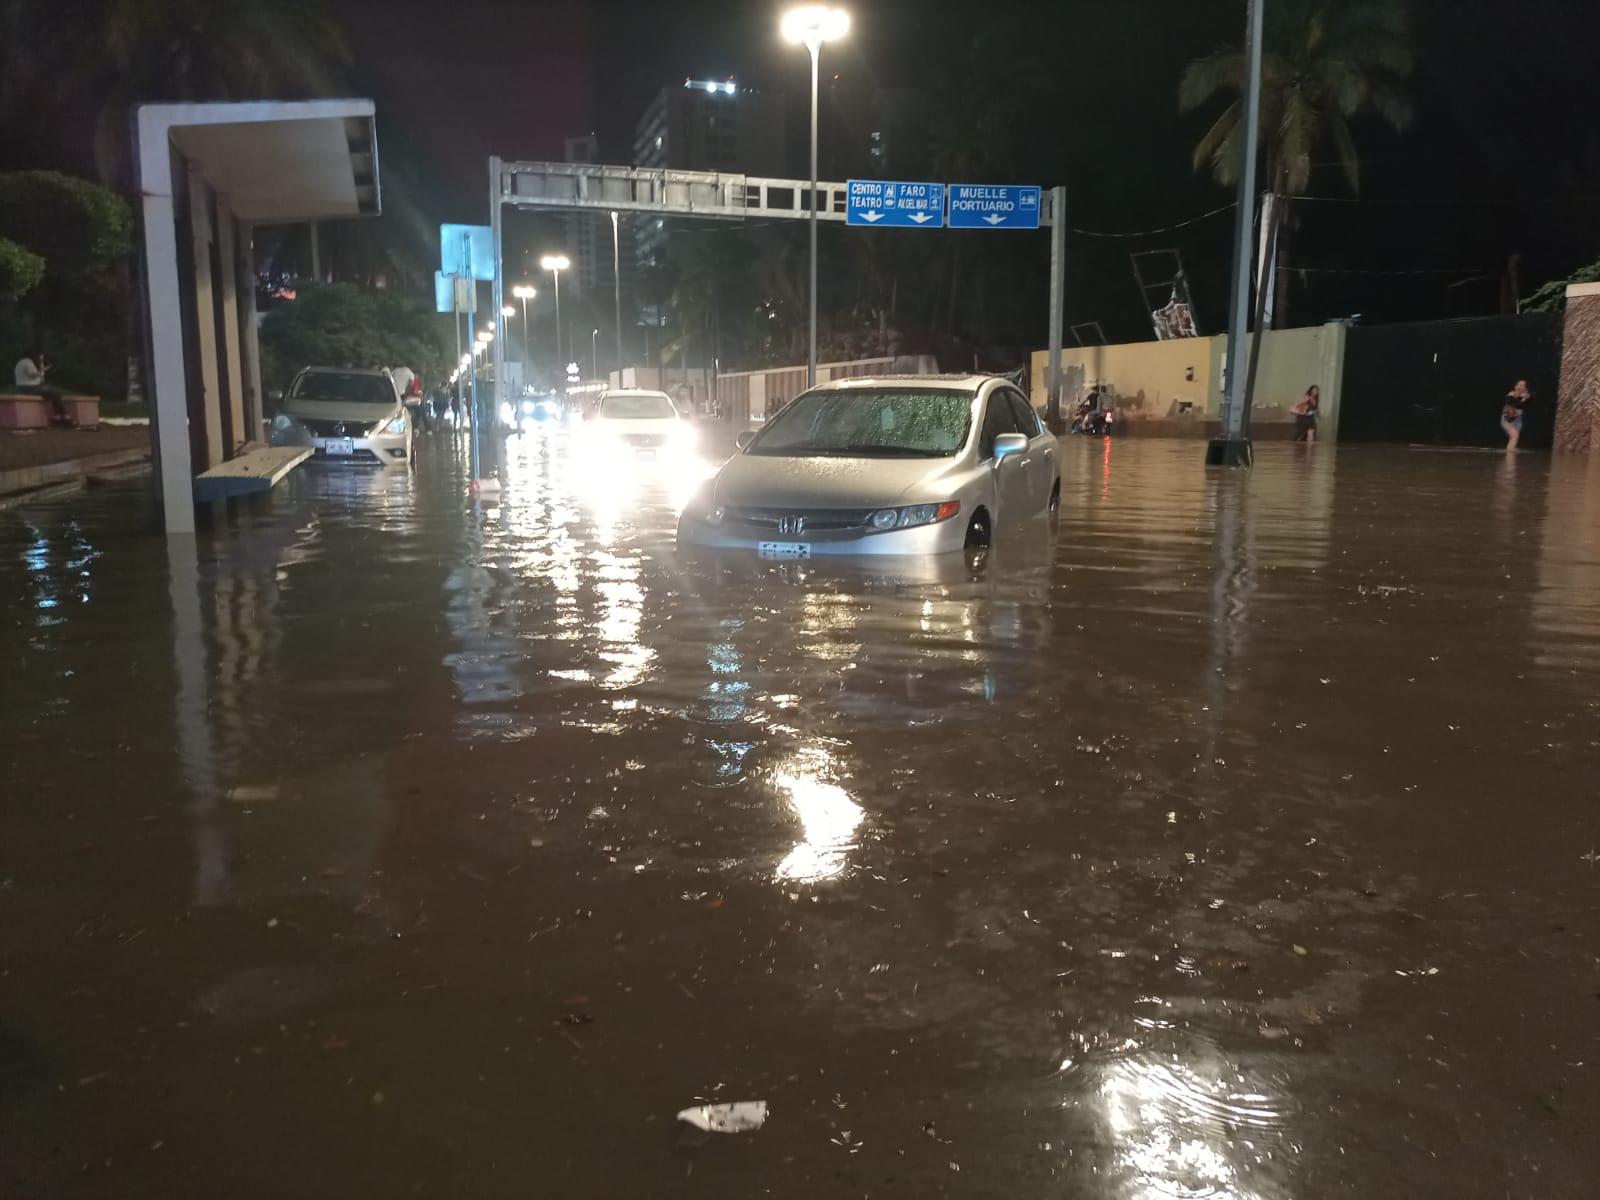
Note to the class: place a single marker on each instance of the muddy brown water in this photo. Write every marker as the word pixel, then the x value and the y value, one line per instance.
pixel 1235 837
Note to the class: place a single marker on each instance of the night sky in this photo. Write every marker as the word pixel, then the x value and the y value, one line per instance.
pixel 1503 156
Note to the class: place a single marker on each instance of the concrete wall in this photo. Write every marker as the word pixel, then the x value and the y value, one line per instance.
pixel 1148 378
pixel 1153 380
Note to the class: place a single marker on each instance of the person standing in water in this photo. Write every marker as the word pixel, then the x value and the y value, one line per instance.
pixel 1516 400
pixel 1305 414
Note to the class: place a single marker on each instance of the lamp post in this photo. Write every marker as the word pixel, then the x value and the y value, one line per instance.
pixel 555 264
pixel 811 25
pixel 524 293
pixel 616 286
pixel 594 354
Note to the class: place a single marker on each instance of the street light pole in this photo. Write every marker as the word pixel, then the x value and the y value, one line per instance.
pixel 594 354
pixel 811 25
pixel 616 286
pixel 1232 449
pixel 524 292
pixel 555 264
pixel 811 349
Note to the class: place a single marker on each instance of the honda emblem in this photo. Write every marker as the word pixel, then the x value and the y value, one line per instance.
pixel 791 525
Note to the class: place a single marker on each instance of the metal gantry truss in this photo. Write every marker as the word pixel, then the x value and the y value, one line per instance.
pixel 598 188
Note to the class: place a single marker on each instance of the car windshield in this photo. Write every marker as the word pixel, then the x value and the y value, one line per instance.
pixel 332 387
pixel 637 408
pixel 870 423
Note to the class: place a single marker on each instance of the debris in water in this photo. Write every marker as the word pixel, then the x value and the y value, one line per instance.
pixel 739 1117
pixel 1299 949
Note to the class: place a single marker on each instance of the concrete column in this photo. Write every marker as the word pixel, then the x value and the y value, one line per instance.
pixel 250 343
pixel 205 314
pixel 1578 405
pixel 167 381
pixel 231 355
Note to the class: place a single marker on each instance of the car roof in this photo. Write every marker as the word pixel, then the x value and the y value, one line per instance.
pixel 954 383
pixel 609 392
pixel 374 372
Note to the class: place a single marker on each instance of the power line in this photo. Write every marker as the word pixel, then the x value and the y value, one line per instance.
pixel 1152 232
pixel 1293 270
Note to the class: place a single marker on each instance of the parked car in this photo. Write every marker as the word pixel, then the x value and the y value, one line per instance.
pixel 639 423
pixel 910 464
pixel 346 415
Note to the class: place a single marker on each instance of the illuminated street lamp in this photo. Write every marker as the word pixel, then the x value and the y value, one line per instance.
pixel 810 25
pixel 555 264
pixel 524 292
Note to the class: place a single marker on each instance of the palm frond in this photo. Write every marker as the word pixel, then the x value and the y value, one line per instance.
pixel 1205 77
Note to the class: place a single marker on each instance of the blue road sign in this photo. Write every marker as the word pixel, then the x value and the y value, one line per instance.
pixel 466 251
pixel 892 204
pixel 993 206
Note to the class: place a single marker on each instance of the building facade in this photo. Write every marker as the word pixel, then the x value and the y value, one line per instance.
pixel 707 125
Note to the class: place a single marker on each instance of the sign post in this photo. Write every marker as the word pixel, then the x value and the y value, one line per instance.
pixel 467 252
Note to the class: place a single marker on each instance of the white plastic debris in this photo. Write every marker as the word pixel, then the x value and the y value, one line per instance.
pixel 740 1117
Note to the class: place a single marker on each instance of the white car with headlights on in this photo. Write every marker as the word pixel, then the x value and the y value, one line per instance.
pixel 346 416
pixel 640 424
pixel 907 464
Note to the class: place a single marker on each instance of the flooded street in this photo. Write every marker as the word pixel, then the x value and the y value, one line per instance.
pixel 1236 837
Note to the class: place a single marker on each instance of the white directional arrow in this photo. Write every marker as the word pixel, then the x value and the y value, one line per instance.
pixel 994 219
pixel 872 216
pixel 919 218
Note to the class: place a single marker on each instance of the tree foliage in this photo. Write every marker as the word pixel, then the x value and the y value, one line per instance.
pixel 342 325
pixel 20 270
pixel 1552 297
pixel 79 228
pixel 1324 63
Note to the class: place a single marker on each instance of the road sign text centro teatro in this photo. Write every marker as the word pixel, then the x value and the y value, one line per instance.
pixel 897 204
pixel 894 204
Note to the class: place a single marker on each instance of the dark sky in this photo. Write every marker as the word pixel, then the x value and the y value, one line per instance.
pixel 1503 155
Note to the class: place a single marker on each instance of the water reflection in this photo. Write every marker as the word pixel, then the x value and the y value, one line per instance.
pixel 828 818
pixel 1190 1127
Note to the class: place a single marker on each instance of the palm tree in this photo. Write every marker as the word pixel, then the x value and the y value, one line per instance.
pixel 1324 64
pixel 119 53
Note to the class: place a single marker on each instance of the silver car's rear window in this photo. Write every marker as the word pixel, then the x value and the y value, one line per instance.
pixel 869 423
pixel 333 387
pixel 637 408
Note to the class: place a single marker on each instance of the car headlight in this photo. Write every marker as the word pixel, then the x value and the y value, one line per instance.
pixel 398 425
pixel 885 519
pixel 508 415
pixel 684 434
pixel 705 506
pixel 282 422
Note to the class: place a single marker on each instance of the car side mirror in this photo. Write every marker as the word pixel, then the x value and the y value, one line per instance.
pixel 1007 444
pixel 745 438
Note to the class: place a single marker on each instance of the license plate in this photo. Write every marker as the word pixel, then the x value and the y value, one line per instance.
pixel 783 549
pixel 339 447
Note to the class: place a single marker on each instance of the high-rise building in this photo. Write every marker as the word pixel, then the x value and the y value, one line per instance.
pixel 706 125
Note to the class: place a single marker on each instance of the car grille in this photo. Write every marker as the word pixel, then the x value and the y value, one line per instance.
pixel 815 520
pixel 318 427
pixel 645 441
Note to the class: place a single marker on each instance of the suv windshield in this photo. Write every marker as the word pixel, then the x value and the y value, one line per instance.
pixel 870 423
pixel 334 387
pixel 637 408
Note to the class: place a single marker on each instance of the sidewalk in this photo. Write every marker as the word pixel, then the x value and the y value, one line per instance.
pixel 52 456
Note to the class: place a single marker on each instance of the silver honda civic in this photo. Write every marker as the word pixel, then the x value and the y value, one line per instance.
pixel 911 464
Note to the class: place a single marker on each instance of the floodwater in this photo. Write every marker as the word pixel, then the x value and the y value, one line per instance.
pixel 1234 838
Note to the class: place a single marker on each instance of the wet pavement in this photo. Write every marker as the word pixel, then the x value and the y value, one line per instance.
pixel 1234 838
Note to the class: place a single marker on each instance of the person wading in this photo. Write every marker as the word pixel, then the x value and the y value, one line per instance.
pixel 1517 399
pixel 1305 414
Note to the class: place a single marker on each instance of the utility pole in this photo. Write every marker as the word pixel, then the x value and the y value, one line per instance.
pixel 1232 449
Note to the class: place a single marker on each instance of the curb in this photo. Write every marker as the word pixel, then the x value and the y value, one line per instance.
pixel 27 479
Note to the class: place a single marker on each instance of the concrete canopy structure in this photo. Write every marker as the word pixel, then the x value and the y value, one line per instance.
pixel 208 175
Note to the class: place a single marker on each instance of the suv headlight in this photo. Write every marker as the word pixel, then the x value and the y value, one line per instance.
pixel 282 422
pixel 705 506
pixel 885 519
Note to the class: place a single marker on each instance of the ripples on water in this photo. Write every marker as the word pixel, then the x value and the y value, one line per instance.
pixel 1179 784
